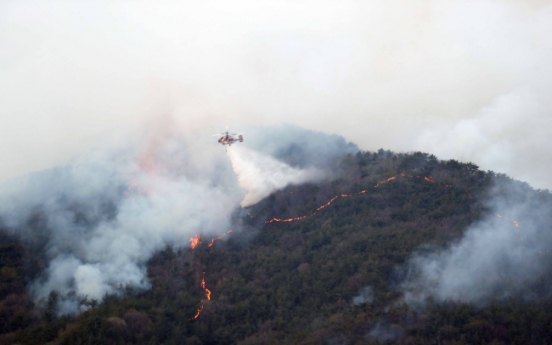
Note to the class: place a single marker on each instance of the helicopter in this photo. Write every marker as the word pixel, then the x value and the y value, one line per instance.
pixel 229 139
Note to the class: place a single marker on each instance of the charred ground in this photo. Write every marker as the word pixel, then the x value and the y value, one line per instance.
pixel 295 281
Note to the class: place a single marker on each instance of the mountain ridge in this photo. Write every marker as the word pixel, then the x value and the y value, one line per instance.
pixel 296 282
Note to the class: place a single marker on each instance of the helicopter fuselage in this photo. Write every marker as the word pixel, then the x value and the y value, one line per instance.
pixel 230 139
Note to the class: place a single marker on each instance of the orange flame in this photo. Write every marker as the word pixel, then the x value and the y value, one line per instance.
pixel 194 241
pixel 389 179
pixel 508 219
pixel 207 295
pixel 426 178
pixel 218 238
pixel 198 312
pixel 328 203
pixel 278 220
pixel 207 291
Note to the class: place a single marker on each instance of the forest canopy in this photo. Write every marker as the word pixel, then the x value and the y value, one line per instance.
pixel 365 257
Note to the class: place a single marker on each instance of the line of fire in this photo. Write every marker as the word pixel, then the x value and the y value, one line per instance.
pixel 196 240
pixel 207 296
pixel 392 178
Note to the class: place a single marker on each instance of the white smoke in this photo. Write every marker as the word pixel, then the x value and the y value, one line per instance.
pixel 96 221
pixel 365 295
pixel 260 175
pixel 502 136
pixel 102 217
pixel 384 331
pixel 493 261
pixel 386 74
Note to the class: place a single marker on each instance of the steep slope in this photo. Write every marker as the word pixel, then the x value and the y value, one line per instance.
pixel 322 263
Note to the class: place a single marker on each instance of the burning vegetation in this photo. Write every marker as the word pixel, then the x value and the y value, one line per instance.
pixel 294 278
pixel 207 296
pixel 195 241
pixel 218 238
pixel 343 195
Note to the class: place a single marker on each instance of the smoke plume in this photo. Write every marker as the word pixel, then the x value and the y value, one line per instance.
pixel 505 255
pixel 96 221
pixel 463 79
pixel 385 332
pixel 365 295
pixel 261 175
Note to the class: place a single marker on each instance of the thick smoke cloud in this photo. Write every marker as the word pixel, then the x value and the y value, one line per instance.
pixel 96 221
pixel 104 215
pixel 468 80
pixel 494 260
pixel 481 139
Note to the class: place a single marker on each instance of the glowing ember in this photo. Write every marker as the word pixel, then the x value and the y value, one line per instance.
pixel 218 238
pixel 278 220
pixel 328 203
pixel 207 295
pixel 508 219
pixel 207 291
pixel 198 312
pixel 388 180
pixel 392 178
pixel 194 241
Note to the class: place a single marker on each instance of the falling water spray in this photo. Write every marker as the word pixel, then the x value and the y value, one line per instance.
pixel 261 175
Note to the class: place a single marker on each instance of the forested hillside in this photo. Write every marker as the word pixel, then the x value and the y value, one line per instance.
pixel 321 263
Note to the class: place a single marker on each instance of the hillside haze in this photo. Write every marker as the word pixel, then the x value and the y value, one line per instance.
pixel 387 248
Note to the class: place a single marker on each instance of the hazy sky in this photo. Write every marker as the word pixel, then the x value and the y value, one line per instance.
pixel 469 80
